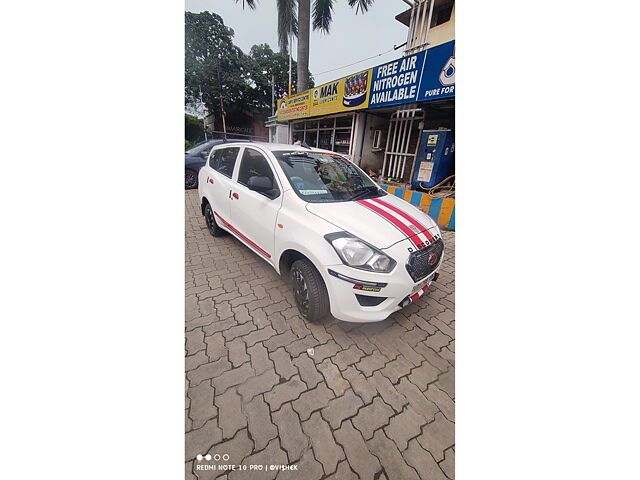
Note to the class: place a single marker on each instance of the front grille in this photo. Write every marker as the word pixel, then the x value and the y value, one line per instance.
pixel 418 264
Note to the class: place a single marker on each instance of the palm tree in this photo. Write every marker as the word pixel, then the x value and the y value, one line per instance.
pixel 298 23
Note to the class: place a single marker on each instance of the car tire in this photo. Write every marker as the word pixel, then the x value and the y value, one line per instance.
pixel 209 218
pixel 309 291
pixel 190 179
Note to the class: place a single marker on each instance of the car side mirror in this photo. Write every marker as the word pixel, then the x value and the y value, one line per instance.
pixel 204 155
pixel 260 184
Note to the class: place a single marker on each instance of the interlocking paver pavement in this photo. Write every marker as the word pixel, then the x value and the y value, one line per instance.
pixel 374 401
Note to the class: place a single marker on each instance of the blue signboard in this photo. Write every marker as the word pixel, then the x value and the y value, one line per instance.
pixel 439 75
pixel 396 82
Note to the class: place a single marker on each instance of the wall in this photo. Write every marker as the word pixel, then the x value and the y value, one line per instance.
pixel 445 32
pixel 370 159
pixel 442 210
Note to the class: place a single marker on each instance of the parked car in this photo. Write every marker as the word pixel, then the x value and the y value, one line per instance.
pixel 347 247
pixel 196 157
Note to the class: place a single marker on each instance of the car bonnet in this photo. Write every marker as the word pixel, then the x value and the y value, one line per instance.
pixel 382 221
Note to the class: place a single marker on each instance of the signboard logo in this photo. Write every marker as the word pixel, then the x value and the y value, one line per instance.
pixel 355 89
pixel 448 73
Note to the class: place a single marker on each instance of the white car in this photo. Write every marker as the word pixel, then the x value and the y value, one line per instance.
pixel 346 246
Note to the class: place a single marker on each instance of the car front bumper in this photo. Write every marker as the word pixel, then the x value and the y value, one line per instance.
pixel 344 283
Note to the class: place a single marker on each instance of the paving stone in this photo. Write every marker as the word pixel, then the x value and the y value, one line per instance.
pixel 405 426
pixel 277 321
pixel 442 401
pixel 218 326
pixel 230 417
pixel 284 392
pixel 283 364
pixel 361 460
pixel 348 357
pixel 308 370
pixel 446 382
pixel 238 331
pixel 194 361
pixel 341 408
pixel 437 340
pixel 417 400
pixel 308 469
pixel 259 384
pixel 388 392
pixel 312 400
pixel 233 377
pixel 259 336
pixel 408 353
pixel 362 387
pixel 280 340
pixel 201 407
pixel 201 440
pixel 325 449
pixel 325 351
pixel 424 375
pixel 437 436
pixel 435 359
pixel 259 423
pixel 423 462
pixel 371 363
pixel 390 458
pixel 208 371
pixel 448 464
pixel 237 352
pixel 237 448
pixel 216 348
pixel 292 439
pixel 372 417
pixel 194 341
pixel 396 369
pixel 333 378
pixel 259 358
pixel 300 345
pixel 343 472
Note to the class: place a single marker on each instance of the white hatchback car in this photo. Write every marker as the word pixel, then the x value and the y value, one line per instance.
pixel 346 246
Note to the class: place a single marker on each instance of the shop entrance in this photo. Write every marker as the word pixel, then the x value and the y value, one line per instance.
pixel 402 142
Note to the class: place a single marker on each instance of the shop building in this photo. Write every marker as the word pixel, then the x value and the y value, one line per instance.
pixel 396 119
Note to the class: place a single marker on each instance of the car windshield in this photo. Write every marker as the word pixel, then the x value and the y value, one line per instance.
pixel 325 177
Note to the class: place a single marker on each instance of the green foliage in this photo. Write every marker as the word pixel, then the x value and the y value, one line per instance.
pixel 214 64
pixel 187 145
pixel 193 128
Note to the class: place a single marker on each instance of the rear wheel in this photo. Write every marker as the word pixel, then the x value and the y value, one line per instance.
pixel 190 179
pixel 209 218
pixel 309 291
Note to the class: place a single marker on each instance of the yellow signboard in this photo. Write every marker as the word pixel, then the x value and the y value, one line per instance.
pixel 342 95
pixel 295 106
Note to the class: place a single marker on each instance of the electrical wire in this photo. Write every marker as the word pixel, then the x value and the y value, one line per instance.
pixel 441 190
pixel 354 63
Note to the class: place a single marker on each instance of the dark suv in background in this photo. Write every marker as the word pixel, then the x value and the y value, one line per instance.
pixel 196 157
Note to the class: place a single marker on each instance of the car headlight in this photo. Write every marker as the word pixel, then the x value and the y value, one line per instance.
pixel 359 254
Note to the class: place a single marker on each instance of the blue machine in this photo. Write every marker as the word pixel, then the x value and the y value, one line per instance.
pixel 434 160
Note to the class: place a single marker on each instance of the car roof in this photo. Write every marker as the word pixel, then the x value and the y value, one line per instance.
pixel 274 147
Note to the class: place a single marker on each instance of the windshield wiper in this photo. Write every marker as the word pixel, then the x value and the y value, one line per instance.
pixel 361 192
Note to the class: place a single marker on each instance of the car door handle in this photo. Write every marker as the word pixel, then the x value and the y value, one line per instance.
pixel 236 196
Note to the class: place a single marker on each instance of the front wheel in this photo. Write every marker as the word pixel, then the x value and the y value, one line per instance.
pixel 209 218
pixel 309 291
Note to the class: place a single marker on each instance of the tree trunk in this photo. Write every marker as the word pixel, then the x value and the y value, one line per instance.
pixel 304 24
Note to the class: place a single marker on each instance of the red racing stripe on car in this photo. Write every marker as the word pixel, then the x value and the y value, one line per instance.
pixel 407 217
pixel 393 220
pixel 244 237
